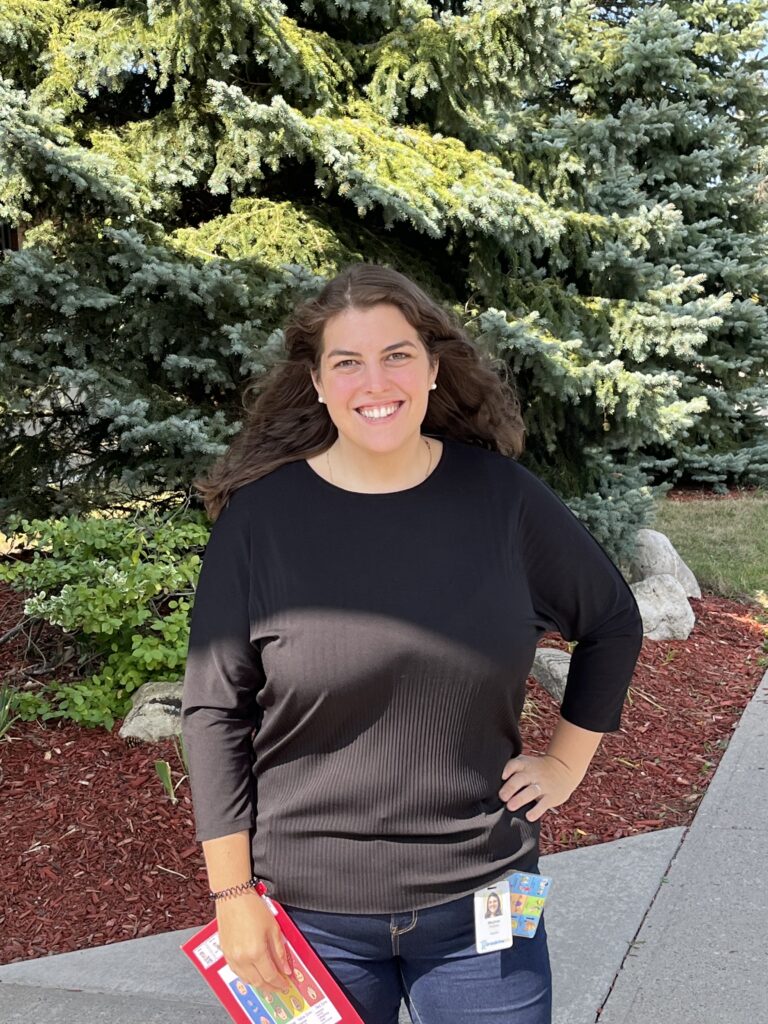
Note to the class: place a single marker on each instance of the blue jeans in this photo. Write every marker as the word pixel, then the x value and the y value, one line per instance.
pixel 428 958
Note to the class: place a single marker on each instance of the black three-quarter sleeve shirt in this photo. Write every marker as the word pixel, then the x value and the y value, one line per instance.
pixel 357 669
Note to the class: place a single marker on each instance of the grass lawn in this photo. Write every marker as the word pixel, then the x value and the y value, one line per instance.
pixel 723 540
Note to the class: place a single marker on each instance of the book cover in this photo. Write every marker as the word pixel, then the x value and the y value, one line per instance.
pixel 314 997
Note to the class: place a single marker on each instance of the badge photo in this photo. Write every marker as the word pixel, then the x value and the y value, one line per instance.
pixel 493 919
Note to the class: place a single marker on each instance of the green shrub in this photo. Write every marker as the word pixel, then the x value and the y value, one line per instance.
pixel 121 589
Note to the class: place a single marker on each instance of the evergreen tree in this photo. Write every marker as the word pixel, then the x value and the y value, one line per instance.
pixel 661 119
pixel 186 172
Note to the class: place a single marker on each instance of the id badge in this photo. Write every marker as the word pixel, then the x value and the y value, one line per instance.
pixel 493 917
pixel 527 896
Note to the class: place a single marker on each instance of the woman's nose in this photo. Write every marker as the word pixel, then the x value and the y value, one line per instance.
pixel 375 377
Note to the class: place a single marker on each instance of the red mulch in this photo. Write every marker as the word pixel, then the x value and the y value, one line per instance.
pixel 703 493
pixel 95 852
pixel 685 700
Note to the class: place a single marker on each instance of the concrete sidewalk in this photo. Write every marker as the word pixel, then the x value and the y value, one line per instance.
pixel 700 956
pixel 688 951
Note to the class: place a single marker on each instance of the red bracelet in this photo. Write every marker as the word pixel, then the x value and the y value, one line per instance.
pixel 234 890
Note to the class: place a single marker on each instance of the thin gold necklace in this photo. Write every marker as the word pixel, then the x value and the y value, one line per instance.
pixel 424 439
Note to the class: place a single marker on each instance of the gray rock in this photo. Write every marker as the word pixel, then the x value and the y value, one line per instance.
pixel 550 670
pixel 664 608
pixel 155 714
pixel 655 555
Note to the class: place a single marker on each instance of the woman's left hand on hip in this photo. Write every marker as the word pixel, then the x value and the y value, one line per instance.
pixel 543 779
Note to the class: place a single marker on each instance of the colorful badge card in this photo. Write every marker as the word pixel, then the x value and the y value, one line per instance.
pixel 493 920
pixel 527 896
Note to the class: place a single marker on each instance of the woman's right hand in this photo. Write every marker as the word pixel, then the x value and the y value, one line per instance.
pixel 252 942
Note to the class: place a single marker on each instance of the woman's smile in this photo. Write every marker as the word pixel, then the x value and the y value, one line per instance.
pixel 379 413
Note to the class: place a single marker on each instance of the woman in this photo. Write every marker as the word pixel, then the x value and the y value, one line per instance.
pixel 379 571
pixel 493 905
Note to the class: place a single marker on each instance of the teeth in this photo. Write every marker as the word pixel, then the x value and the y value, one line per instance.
pixel 377 414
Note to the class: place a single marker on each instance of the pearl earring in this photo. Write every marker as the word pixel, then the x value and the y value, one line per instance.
pixel 320 398
pixel 432 387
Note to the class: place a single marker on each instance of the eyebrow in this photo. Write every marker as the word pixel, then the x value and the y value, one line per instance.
pixel 346 352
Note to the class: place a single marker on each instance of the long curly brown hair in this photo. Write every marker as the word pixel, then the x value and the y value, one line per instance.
pixel 475 401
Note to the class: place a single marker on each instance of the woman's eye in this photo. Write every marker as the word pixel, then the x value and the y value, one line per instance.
pixel 348 362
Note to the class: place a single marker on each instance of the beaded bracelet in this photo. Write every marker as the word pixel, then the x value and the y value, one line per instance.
pixel 234 890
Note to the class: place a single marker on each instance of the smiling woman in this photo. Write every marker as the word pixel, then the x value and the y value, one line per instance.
pixel 371 339
pixel 377 399
pixel 366 617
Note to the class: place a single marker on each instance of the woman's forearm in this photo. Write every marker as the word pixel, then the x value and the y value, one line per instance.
pixel 228 860
pixel 548 781
pixel 249 936
pixel 574 747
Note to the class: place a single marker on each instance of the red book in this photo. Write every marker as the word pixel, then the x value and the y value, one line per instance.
pixel 314 996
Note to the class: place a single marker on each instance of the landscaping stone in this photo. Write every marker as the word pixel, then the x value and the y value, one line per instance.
pixel 664 608
pixel 655 555
pixel 550 670
pixel 155 714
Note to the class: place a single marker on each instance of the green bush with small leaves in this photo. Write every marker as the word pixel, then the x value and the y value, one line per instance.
pixel 120 588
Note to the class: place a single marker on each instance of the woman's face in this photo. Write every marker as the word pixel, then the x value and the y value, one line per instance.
pixel 373 360
pixel 494 906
